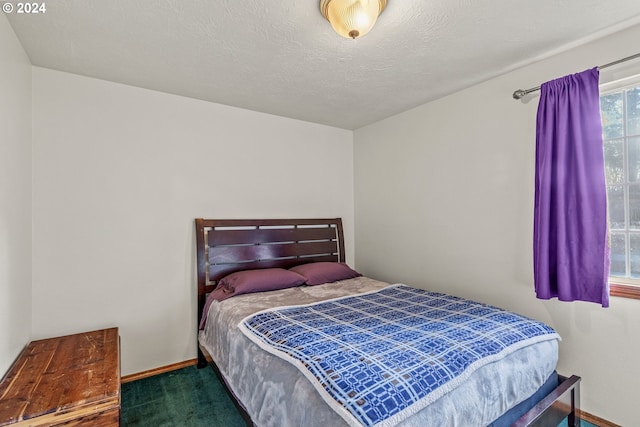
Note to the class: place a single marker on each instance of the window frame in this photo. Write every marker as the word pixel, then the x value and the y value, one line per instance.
pixel 624 287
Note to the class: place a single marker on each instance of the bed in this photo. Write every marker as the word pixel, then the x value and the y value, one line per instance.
pixel 272 389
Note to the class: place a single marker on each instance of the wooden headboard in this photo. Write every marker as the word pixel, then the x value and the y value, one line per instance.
pixel 225 246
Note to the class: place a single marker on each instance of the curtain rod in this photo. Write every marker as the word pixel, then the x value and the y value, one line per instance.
pixel 522 92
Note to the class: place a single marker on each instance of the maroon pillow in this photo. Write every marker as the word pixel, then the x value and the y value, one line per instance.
pixel 267 279
pixel 248 281
pixel 317 273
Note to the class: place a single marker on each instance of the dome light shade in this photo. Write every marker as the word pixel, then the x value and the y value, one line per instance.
pixel 352 18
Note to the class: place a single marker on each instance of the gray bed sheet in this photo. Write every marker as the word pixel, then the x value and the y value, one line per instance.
pixel 276 394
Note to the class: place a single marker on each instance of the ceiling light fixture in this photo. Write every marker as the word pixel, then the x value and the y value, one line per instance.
pixel 352 18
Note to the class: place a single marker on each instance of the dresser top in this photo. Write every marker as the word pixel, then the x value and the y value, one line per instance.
pixel 61 374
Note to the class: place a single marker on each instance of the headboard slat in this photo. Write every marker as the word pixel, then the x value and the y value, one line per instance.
pixel 217 272
pixel 235 254
pixel 268 235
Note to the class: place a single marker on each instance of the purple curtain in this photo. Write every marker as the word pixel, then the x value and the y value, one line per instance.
pixel 570 242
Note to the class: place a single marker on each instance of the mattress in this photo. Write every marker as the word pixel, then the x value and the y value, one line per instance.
pixel 275 393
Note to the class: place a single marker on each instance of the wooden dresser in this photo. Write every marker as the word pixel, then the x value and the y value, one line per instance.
pixel 72 380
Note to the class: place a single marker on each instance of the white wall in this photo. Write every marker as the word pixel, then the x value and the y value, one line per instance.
pixel 444 200
pixel 120 173
pixel 15 196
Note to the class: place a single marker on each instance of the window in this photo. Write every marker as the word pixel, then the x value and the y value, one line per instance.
pixel 620 108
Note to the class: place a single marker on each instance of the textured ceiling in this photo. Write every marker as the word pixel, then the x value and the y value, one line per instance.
pixel 283 58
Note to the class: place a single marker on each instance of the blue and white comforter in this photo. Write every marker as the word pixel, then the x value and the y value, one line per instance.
pixel 377 358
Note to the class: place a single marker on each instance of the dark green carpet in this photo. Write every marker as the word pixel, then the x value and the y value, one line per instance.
pixel 188 397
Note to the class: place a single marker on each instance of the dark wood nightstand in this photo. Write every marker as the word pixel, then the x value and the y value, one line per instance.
pixel 72 380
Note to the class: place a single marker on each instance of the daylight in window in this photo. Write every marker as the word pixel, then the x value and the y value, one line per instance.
pixel 621 133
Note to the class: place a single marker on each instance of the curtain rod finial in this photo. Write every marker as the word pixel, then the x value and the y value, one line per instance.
pixel 519 94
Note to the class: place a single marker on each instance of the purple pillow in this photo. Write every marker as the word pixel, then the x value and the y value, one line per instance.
pixel 248 281
pixel 267 279
pixel 317 273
